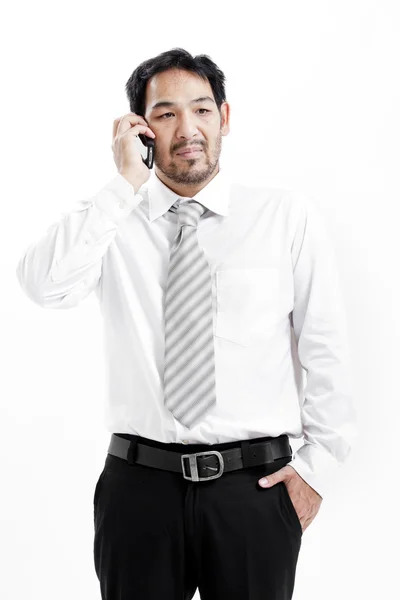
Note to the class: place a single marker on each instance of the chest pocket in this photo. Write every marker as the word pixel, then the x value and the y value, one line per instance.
pixel 246 303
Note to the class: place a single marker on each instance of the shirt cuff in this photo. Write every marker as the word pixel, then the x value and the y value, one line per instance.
pixel 315 465
pixel 117 199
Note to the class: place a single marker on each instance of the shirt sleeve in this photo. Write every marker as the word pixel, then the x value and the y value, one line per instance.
pixel 320 328
pixel 63 267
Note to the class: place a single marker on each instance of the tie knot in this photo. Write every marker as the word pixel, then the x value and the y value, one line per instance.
pixel 189 213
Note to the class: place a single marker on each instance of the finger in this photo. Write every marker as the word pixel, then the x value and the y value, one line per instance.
pixel 124 123
pixel 131 115
pixel 138 128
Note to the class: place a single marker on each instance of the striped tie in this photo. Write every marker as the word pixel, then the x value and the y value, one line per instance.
pixel 189 371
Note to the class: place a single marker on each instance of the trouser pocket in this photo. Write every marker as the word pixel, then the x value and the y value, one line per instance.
pixel 98 488
pixel 292 513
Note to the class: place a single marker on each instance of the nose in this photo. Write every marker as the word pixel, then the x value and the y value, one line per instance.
pixel 186 131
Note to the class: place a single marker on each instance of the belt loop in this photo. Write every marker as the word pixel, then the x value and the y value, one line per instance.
pixel 132 452
pixel 245 445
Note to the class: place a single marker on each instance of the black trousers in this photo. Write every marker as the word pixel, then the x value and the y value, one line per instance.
pixel 158 536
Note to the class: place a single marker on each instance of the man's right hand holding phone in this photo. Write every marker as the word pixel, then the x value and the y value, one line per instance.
pixel 127 156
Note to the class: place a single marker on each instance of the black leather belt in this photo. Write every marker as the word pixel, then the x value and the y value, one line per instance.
pixel 210 463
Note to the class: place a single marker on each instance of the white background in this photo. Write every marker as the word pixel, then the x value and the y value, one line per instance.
pixel 314 94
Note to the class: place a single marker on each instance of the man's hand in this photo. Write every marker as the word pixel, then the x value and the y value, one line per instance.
pixel 306 500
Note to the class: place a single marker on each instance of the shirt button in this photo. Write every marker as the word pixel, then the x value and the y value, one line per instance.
pixel 185 441
pixel 122 204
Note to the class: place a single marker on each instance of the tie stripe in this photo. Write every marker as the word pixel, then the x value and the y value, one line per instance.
pixel 189 368
pixel 186 334
pixel 192 383
pixel 182 292
pixel 176 314
pixel 196 346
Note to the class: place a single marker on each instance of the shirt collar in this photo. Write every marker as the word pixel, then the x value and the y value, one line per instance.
pixel 214 196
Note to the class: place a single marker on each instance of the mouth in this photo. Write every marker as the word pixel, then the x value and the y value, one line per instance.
pixel 190 153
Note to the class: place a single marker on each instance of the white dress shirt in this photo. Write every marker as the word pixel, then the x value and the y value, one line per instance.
pixel 277 308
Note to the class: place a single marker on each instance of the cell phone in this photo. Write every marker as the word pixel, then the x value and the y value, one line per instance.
pixel 146 147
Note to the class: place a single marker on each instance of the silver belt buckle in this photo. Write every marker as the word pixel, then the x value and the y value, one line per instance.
pixel 194 474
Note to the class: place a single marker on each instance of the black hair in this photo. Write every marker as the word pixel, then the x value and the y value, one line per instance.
pixel 176 58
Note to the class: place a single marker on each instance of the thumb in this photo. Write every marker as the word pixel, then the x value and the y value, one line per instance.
pixel 273 478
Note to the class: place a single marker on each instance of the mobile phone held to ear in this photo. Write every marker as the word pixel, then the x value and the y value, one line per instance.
pixel 146 147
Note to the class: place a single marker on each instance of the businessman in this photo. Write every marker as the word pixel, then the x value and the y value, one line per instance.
pixel 216 296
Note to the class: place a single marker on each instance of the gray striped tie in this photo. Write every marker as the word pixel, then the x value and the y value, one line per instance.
pixel 189 371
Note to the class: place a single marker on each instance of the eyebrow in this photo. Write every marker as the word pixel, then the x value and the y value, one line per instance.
pixel 170 104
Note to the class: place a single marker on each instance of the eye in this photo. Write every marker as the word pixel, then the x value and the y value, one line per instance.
pixel 170 113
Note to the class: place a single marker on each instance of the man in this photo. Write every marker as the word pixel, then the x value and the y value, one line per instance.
pixel 204 285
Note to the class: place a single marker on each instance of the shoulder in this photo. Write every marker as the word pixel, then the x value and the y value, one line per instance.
pixel 292 203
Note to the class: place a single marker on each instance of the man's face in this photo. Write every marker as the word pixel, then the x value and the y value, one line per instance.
pixel 185 123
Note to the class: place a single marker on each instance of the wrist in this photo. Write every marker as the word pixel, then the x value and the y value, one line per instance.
pixel 131 179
